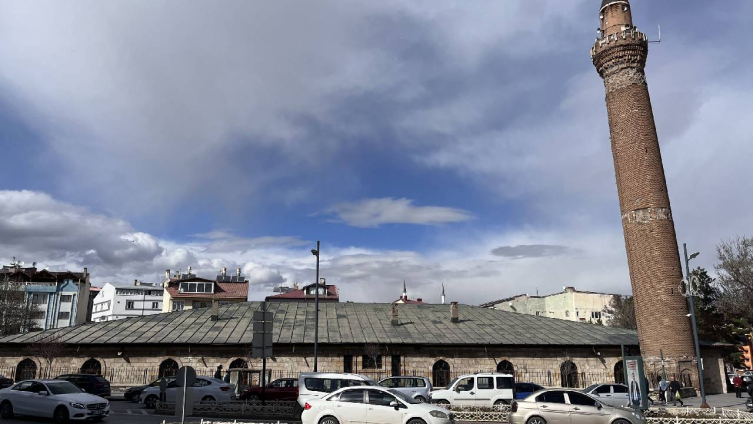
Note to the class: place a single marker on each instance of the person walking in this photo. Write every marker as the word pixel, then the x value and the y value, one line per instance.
pixel 674 392
pixel 218 373
pixel 738 383
pixel 662 390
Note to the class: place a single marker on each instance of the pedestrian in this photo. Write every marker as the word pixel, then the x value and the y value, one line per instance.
pixel 750 390
pixel 663 385
pixel 674 392
pixel 218 373
pixel 648 390
pixel 738 383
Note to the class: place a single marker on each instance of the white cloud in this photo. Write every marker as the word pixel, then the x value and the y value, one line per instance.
pixel 376 212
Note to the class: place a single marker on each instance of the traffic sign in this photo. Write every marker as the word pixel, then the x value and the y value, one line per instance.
pixel 263 316
pixel 261 352
pixel 186 375
pixel 262 340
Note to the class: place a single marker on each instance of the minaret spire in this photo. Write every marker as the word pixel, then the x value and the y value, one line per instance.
pixel 443 293
pixel 405 291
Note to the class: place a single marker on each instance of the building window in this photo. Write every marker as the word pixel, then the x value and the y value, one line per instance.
pixel 155 305
pixel 64 315
pixel 196 288
pixel 38 299
pixel 371 363
pixel 538 313
pixel 36 315
pixel 130 304
pixel 567 313
pixel 198 304
pixel 596 315
pixel 178 306
pixel 66 298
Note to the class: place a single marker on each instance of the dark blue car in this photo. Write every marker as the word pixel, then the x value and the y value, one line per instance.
pixel 522 390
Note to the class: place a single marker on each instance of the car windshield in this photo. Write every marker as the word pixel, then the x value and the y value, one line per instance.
pixel 402 396
pixel 453 382
pixel 62 388
pixel 591 387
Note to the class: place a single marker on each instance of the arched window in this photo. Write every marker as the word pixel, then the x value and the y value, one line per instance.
pixel 568 374
pixel 238 363
pixel 619 373
pixel 92 366
pixel 26 370
pixel 168 368
pixel 567 313
pixel 506 367
pixel 686 378
pixel 440 374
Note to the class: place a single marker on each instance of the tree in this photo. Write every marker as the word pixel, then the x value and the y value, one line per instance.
pixel 48 347
pixel 372 353
pixel 735 276
pixel 621 313
pixel 710 320
pixel 16 313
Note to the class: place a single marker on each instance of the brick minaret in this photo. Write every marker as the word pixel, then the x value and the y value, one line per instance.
pixel 653 259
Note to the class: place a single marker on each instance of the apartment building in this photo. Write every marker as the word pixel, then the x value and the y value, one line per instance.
pixel 118 301
pixel 187 291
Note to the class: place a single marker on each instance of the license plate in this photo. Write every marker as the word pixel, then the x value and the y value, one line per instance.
pixel 98 412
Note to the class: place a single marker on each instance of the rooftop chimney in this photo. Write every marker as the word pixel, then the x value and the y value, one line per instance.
pixel 419 300
pixel 394 320
pixel 136 283
pixel 86 272
pixel 189 269
pixel 238 272
pixel 224 271
pixel 215 307
pixel 454 314
pixel 167 274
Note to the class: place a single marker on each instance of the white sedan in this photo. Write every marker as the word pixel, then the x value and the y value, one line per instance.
pixel 56 399
pixel 373 405
pixel 205 390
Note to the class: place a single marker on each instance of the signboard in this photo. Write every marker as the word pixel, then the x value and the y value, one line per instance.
pixel 261 341
pixel 636 382
pixel 186 375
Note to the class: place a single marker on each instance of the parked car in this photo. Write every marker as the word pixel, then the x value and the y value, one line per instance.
pixel 569 406
pixel 94 384
pixel 373 405
pixel 609 394
pixel 206 390
pixel 56 399
pixel 523 390
pixel 482 389
pixel 312 385
pixel 133 393
pixel 280 389
pixel 418 388
pixel 5 382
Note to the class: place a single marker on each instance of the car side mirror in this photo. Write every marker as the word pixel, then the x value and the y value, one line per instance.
pixel 43 393
pixel 457 389
pixel 395 405
pixel 599 406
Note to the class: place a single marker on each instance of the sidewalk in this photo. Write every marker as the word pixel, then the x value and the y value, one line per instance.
pixel 726 400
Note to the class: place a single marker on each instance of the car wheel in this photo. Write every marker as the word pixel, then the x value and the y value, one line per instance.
pixel 443 402
pixel 6 410
pixel 621 422
pixel 150 401
pixel 416 421
pixel 254 398
pixel 329 420
pixel 536 420
pixel 61 415
pixel 420 399
pixel 207 399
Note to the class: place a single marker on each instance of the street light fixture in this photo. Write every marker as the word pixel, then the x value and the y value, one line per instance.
pixel 689 290
pixel 315 252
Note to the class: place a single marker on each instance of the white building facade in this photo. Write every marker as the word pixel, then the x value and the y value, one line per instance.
pixel 570 304
pixel 118 301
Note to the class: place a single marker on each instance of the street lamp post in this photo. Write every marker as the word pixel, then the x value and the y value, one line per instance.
pixel 689 289
pixel 315 252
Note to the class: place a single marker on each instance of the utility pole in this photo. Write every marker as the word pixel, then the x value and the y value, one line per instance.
pixel 689 290
pixel 315 252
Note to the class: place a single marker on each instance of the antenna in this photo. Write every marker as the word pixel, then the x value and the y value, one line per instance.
pixel 659 40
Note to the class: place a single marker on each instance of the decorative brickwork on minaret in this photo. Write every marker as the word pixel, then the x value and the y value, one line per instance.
pixel 653 258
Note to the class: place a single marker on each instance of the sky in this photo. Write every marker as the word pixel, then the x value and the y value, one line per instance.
pixel 426 141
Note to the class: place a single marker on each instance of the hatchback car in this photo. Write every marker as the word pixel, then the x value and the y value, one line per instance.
pixel 418 388
pixel 563 406
pixel 354 405
pixel 56 399
pixel 609 394
pixel 94 384
pixel 483 389
pixel 280 389
pixel 206 390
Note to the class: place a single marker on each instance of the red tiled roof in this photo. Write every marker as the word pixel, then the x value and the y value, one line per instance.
pixel 300 295
pixel 222 290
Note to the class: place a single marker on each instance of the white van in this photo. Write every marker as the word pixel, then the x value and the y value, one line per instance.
pixel 482 389
pixel 316 385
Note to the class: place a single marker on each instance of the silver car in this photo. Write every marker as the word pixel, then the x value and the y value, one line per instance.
pixel 609 394
pixel 564 406
pixel 419 388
